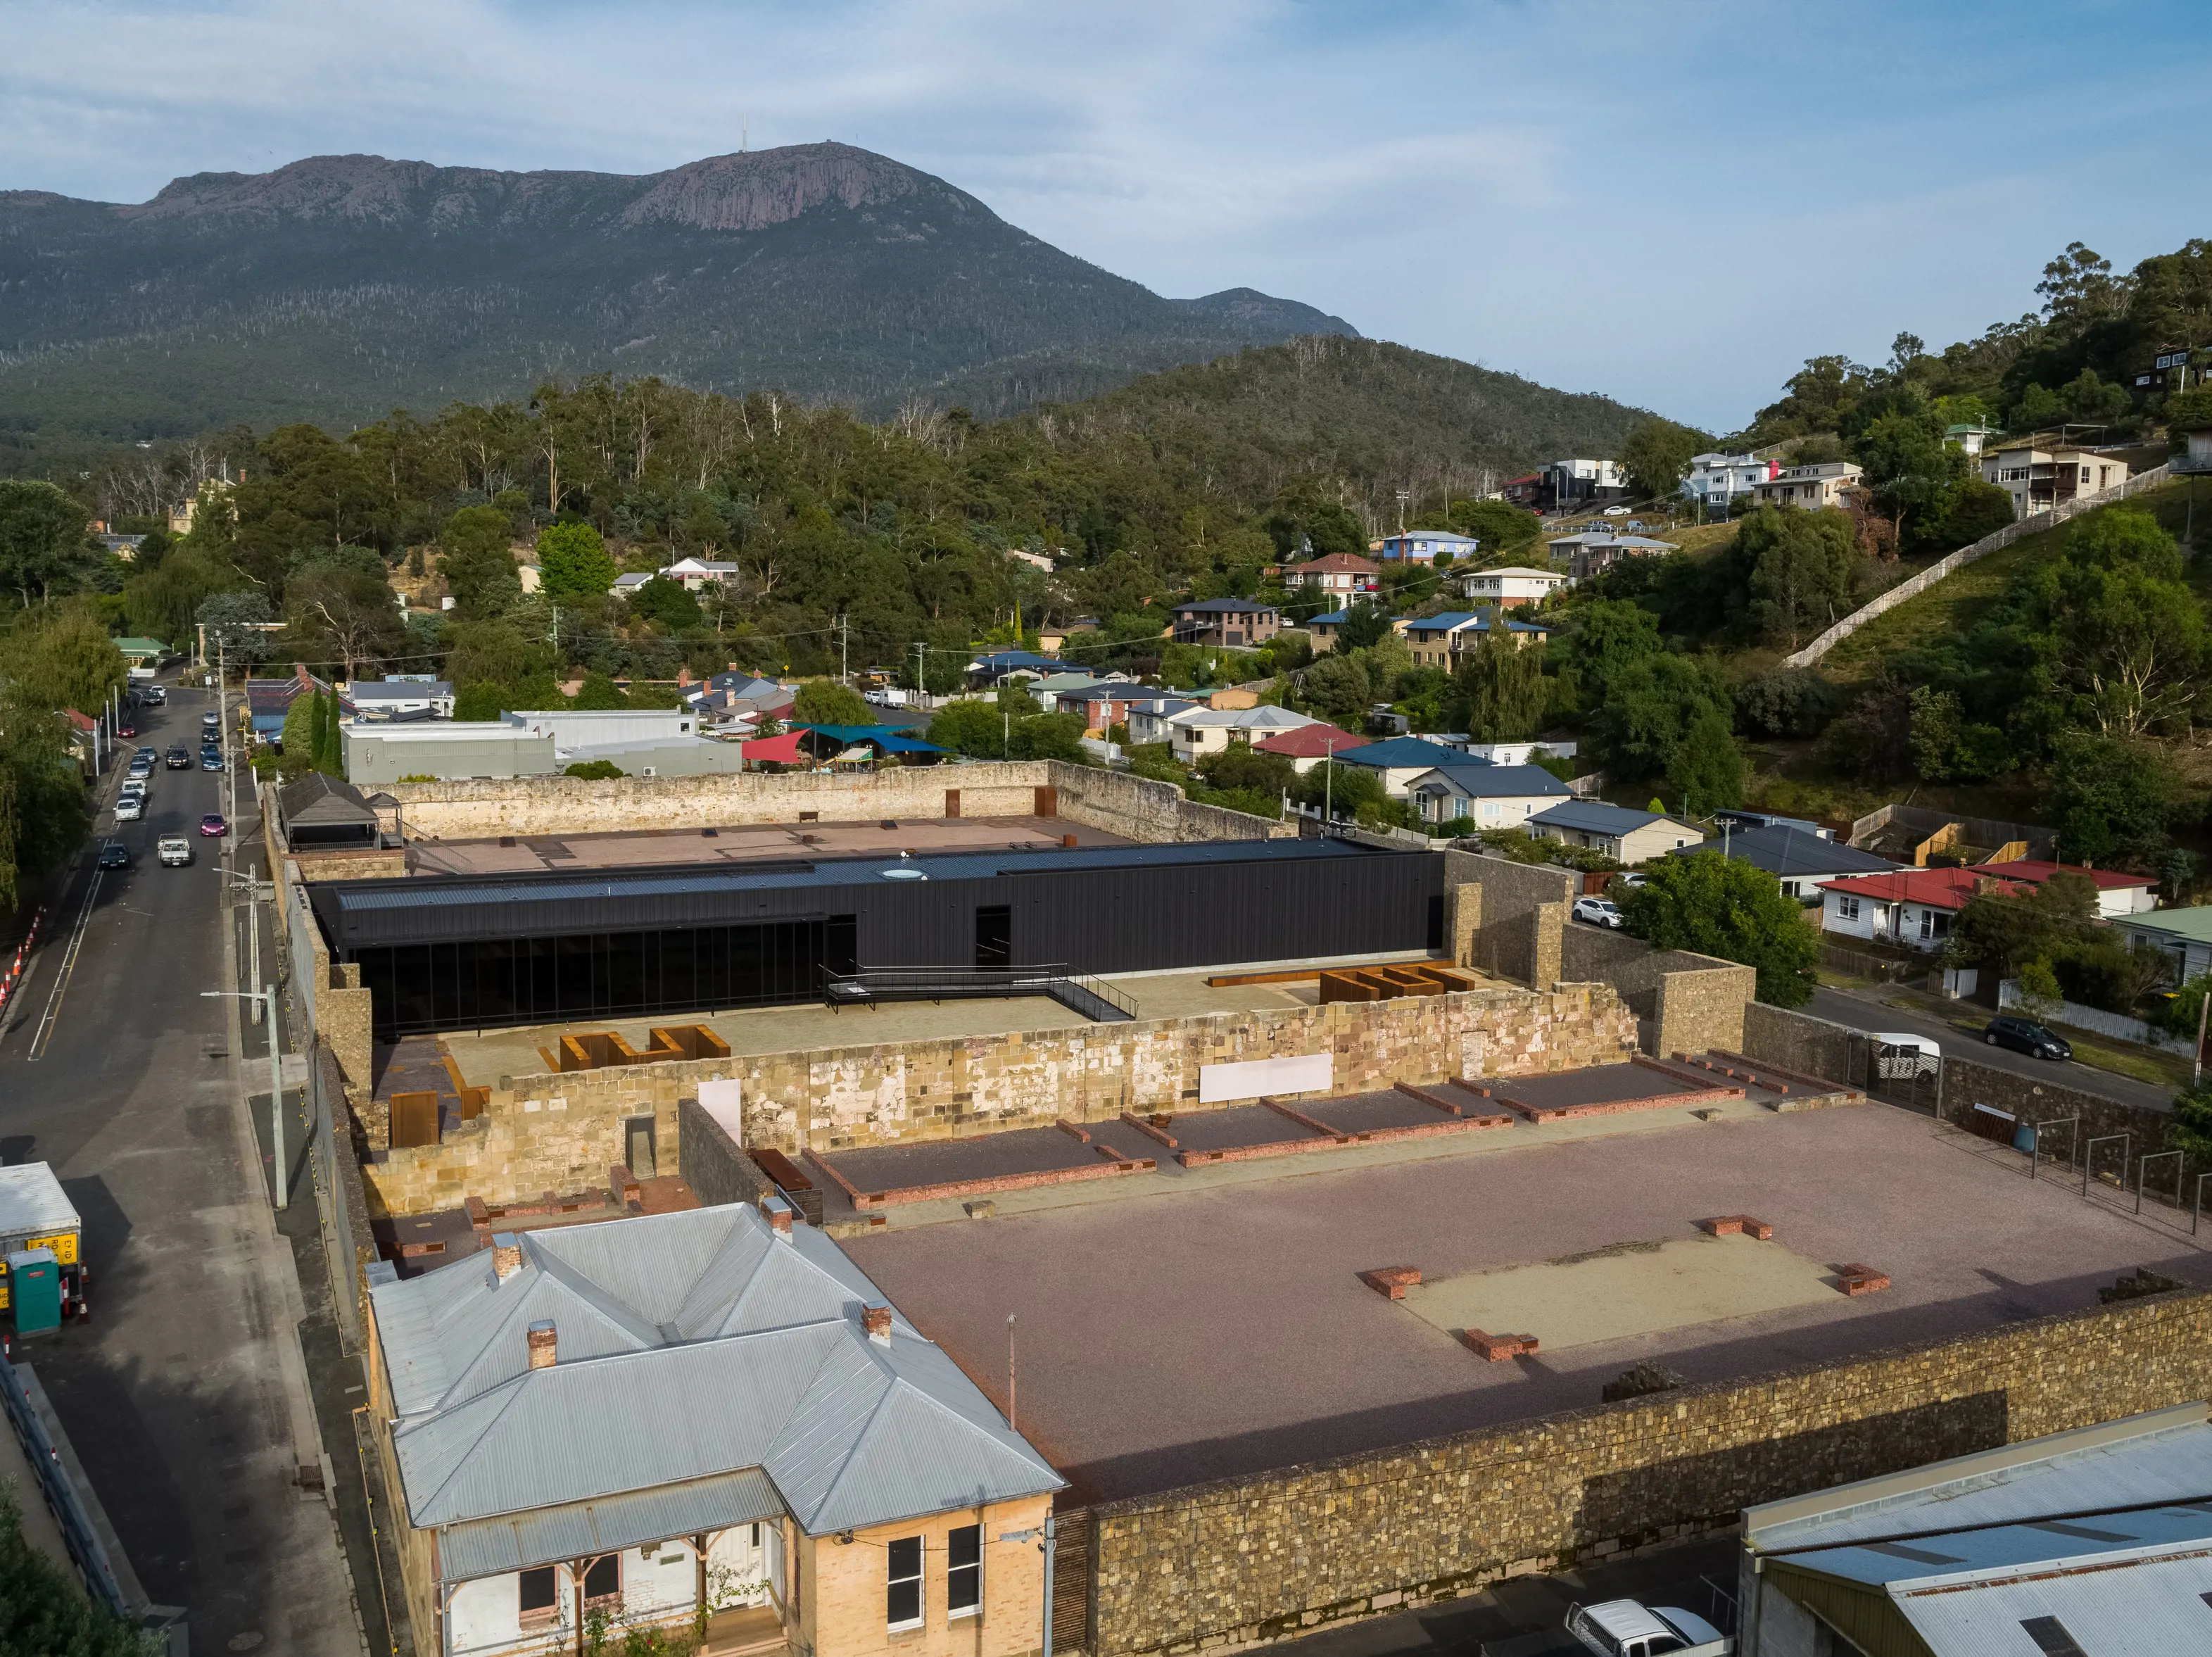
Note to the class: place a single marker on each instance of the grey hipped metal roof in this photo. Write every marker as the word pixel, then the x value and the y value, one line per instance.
pixel 690 1346
pixel 1596 817
pixel 319 798
pixel 493 1547
pixel 1791 853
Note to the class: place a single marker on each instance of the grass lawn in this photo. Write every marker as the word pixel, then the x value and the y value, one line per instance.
pixel 2151 1065
pixel 1954 603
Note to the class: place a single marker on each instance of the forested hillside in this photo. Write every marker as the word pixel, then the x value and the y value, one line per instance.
pixel 337 287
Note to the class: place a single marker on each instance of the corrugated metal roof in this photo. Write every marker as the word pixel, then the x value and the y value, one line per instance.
pixel 651 1315
pixel 494 1547
pixel 2142 1608
pixel 1792 852
pixel 1596 817
pixel 2001 1549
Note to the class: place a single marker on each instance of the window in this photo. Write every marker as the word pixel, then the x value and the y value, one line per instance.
pixel 2085 474
pixel 603 1580
pixel 964 1570
pixel 541 1597
pixel 1847 909
pixel 902 1596
pixel 2051 1636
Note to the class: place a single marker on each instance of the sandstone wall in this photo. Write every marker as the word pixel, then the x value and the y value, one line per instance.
pixel 559 1131
pixel 1524 912
pixel 1240 1563
pixel 1966 1084
pixel 713 1166
pixel 1798 1041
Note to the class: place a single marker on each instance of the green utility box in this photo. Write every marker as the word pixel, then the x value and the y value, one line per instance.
pixel 34 1290
pixel 38 1220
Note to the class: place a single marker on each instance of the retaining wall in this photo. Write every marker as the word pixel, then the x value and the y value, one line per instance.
pixel 1132 807
pixel 1913 586
pixel 1240 1563
pixel 1798 1041
pixel 1966 1084
pixel 558 1132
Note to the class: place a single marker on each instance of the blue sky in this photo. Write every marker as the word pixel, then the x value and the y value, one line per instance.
pixel 1670 202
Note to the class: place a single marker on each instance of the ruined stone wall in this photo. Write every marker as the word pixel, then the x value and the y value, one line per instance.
pixel 1966 1084
pixel 713 1167
pixel 1240 1563
pixel 559 1131
pixel 1524 912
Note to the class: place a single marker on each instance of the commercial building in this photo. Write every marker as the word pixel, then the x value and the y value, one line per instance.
pixel 1810 487
pixel 2041 476
pixel 1619 832
pixel 2094 1540
pixel 448 750
pixel 454 951
pixel 713 1411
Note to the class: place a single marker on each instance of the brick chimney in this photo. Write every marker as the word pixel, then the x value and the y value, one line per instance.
pixel 779 1215
pixel 505 1254
pixel 877 1321
pixel 542 1344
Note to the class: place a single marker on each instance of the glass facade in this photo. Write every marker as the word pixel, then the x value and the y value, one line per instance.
pixel 481 983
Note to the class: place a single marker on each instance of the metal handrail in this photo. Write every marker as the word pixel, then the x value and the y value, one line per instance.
pixel 867 982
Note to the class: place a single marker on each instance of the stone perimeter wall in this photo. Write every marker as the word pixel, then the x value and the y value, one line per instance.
pixel 1242 1562
pixel 560 1132
pixel 1132 807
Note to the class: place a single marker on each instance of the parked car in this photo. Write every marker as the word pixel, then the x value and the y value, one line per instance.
pixel 211 720
pixel 1598 912
pixel 1617 511
pixel 156 695
pixel 179 759
pixel 114 854
pixel 213 824
pixel 2026 1036
pixel 130 807
pixel 126 729
pixel 141 769
pixel 175 851
pixel 1900 1056
pixel 1628 1628
pixel 136 787
pixel 210 759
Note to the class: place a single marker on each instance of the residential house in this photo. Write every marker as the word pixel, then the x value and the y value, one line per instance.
pixel 1147 716
pixel 695 573
pixel 629 580
pixel 1971 439
pixel 1196 732
pixel 124 547
pixel 1744 821
pixel 2096 1539
pixel 1508 753
pixel 1619 832
pixel 1508 589
pixel 1912 908
pixel 1526 490
pixel 2185 935
pixel 1397 761
pixel 1715 478
pixel 2197 456
pixel 997 665
pixel 1800 861
pixel 1423 545
pixel 1570 483
pixel 1308 745
pixel 1230 624
pixel 1046 688
pixel 1035 560
pixel 1050 639
pixel 1440 640
pixel 399 698
pixel 1810 487
pixel 2117 893
pixel 2040 476
pixel 1323 630
pixel 1492 796
pixel 714 1411
pixel 1598 550
pixel 1340 575
pixel 1102 705
pixel 268 700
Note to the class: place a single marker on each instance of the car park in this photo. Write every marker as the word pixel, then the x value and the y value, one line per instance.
pixel 1598 912
pixel 175 851
pixel 114 854
pixel 179 759
pixel 213 824
pixel 2026 1036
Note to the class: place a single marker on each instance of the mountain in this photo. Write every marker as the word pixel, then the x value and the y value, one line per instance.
pixel 339 286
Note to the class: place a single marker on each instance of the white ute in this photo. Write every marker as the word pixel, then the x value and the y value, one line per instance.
pixel 1626 1628
pixel 175 851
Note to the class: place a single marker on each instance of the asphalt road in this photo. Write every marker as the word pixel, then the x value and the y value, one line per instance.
pixel 118 1074
pixel 1865 1010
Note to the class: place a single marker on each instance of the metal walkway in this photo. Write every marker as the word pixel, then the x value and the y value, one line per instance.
pixel 1077 991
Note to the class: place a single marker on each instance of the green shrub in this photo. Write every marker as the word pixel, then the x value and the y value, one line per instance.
pixel 595 770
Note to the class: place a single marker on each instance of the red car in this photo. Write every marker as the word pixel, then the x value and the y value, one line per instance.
pixel 126 729
pixel 213 824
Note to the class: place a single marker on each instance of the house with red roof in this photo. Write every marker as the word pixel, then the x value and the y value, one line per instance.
pixel 1307 746
pixel 2118 894
pixel 1913 908
pixel 1340 575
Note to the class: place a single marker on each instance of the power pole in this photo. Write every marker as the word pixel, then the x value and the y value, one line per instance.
pixel 920 676
pixel 844 644
pixel 275 1089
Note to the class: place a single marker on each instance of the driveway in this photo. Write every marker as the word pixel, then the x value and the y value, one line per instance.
pixel 1861 1009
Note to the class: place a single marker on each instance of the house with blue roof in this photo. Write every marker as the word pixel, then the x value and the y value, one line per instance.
pixel 1491 796
pixel 1621 832
pixel 990 668
pixel 1440 641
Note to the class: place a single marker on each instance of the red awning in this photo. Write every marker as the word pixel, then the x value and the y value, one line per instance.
pixel 784 750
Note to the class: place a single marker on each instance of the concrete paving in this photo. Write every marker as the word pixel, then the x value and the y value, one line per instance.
pixel 1164 1274
pixel 184 1405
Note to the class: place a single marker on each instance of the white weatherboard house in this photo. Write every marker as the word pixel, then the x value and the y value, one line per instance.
pixel 711 1409
pixel 1491 796
pixel 1508 587
pixel 1621 833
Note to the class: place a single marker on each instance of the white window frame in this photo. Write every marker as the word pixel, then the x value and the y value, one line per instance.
pixel 919 1579
pixel 952 1613
pixel 1847 908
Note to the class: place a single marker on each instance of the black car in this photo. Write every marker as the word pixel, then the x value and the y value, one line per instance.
pixel 179 759
pixel 2026 1036
pixel 114 854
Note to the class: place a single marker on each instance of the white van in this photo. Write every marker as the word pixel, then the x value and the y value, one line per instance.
pixel 1900 1056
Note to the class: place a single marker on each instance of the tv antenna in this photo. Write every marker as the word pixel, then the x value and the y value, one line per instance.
pixel 741 135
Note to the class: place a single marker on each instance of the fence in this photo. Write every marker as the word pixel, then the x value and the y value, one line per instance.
pixel 1912 587
pixel 2098 1022
pixel 1861 963
pixel 338 1187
